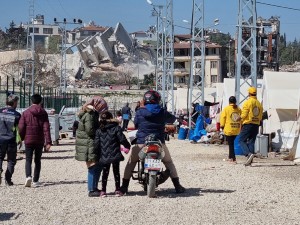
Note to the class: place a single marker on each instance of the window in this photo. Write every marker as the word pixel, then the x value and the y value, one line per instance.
pixel 213 51
pixel 47 30
pixel 36 30
pixel 213 64
pixel 198 65
pixel 214 78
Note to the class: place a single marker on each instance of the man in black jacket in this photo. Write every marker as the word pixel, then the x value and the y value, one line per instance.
pixel 126 115
pixel 9 138
pixel 151 119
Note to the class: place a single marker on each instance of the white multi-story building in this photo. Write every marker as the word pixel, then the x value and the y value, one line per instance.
pixel 182 62
pixel 42 31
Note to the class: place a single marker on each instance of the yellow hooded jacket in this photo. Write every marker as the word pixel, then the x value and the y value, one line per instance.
pixel 230 120
pixel 252 111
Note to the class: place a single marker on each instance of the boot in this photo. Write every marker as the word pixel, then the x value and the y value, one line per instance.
pixel 177 185
pixel 124 187
pixel 163 176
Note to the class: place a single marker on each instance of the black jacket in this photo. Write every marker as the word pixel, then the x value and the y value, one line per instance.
pixel 108 141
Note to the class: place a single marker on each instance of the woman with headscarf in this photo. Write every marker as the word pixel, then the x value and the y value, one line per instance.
pixel 85 135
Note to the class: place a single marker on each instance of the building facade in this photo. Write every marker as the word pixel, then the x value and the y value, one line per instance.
pixel 182 62
pixel 42 32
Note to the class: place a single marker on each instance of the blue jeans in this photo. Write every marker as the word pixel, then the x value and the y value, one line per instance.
pixel 247 138
pixel 94 176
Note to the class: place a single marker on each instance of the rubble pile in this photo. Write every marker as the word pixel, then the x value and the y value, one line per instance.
pixel 112 53
pixel 290 68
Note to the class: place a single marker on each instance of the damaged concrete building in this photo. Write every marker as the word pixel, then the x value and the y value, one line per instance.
pixel 268 35
pixel 109 52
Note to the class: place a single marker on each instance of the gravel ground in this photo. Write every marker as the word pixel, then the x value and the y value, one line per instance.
pixel 268 192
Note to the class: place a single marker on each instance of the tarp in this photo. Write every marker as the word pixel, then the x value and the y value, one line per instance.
pixel 281 100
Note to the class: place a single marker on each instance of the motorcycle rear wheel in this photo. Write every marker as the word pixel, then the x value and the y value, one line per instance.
pixel 151 186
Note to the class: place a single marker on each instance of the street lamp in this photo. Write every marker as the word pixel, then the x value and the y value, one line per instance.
pixel 63 65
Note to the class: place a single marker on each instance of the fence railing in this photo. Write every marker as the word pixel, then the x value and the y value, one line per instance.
pixel 51 96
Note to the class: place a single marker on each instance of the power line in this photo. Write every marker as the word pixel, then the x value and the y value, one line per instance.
pixel 278 6
pixel 64 9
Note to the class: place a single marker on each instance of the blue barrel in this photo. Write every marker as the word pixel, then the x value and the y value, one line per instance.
pixel 237 148
pixel 182 133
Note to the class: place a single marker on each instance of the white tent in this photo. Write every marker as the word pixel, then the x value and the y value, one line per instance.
pixel 229 90
pixel 281 100
pixel 297 155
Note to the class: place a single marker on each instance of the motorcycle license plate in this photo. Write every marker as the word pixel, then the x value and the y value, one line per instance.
pixel 152 164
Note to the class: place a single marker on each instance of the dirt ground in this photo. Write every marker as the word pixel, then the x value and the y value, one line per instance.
pixel 268 192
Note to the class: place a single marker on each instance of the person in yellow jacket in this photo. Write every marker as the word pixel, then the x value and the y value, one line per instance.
pixel 251 117
pixel 231 125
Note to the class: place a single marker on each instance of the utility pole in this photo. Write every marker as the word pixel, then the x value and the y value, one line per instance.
pixel 165 52
pixel 63 63
pixel 246 67
pixel 197 21
pixel 29 65
pixel 168 87
pixel 157 11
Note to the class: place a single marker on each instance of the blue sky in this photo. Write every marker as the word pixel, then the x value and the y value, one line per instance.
pixel 136 14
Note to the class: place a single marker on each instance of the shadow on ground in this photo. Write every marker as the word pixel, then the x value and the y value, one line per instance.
pixel 271 165
pixel 8 216
pixel 65 182
pixel 60 151
pixel 190 192
pixel 57 157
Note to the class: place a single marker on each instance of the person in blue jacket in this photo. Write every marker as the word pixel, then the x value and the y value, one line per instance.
pixel 151 119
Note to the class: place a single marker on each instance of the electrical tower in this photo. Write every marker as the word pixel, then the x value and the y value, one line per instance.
pixel 168 73
pixel 29 65
pixel 63 65
pixel 158 12
pixel 197 71
pixel 246 57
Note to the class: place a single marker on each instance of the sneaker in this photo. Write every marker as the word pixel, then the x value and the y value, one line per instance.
pixel 94 194
pixel 118 193
pixel 36 184
pixel 28 182
pixel 249 160
pixel 103 194
pixel 9 183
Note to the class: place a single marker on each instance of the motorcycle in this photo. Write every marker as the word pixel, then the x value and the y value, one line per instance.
pixel 150 165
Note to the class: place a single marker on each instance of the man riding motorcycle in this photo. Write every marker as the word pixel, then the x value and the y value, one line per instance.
pixel 151 119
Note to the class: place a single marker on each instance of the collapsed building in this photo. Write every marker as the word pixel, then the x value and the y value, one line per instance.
pixel 111 52
pixel 267 40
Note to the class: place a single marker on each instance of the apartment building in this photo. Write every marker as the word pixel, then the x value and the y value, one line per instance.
pixel 182 62
pixel 42 32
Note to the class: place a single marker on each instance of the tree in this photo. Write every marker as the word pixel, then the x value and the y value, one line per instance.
pixel 53 46
pixel 16 37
